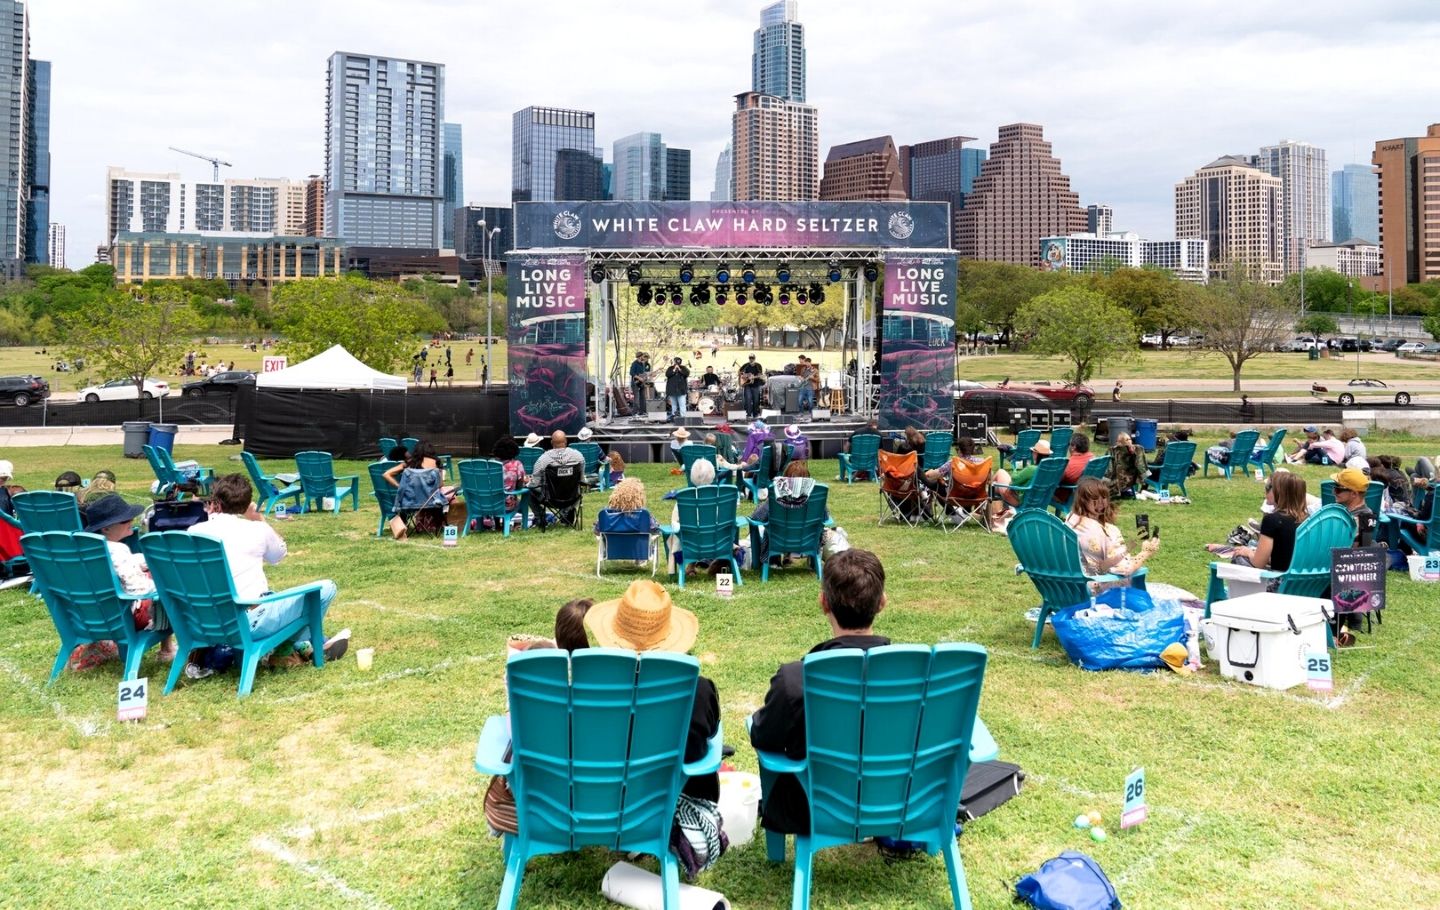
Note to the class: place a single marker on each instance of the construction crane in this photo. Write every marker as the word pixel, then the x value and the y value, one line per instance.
pixel 214 162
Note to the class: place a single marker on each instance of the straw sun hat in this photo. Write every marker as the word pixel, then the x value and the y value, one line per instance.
pixel 642 619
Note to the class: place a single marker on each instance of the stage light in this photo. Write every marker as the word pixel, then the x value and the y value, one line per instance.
pixel 872 272
pixel 835 273
pixel 782 273
pixel 597 273
pixel 747 274
pixel 704 292
pixel 801 297
pixel 740 298
pixel 645 295
pixel 632 274
pixel 687 273
pixel 720 297
pixel 701 294
pixel 676 297
pixel 817 293
pixel 763 295
pixel 722 274
pixel 784 296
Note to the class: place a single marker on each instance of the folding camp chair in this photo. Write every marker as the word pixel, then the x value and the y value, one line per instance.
pixel 382 491
pixel 1096 467
pixel 707 529
pixel 902 496
pixel 46 510
pixel 1242 449
pixel 269 492
pixel 626 536
pixel 1172 472
pixel 1020 453
pixel 861 457
pixel 937 449
pixel 482 484
pixel 318 482
pixel 564 492
pixel 790 529
pixel 965 496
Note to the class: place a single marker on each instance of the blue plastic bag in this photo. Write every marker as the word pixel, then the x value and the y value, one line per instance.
pixel 1129 638
pixel 1070 881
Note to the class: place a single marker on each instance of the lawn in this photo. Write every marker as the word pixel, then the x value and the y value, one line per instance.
pixel 339 788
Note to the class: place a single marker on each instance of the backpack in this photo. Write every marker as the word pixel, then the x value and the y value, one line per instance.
pixel 988 785
pixel 1070 881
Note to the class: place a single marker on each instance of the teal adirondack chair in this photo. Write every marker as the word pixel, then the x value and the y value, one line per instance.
pixel 382 491
pixel 77 581
pixel 707 528
pixel 765 471
pixel 1374 495
pixel 863 456
pixel 1049 552
pixel 594 463
pixel 203 477
pixel 1021 453
pixel 47 510
pixel 1060 440
pixel 1309 572
pixel 937 450
pixel 528 456
pixel 1096 467
pixel 1175 468
pixel 1327 492
pixel 1039 493
pixel 694 452
pixel 482 484
pixel 169 476
pixel 1242 449
pixel 195 585
pixel 318 482
pixel 888 734
pixel 1265 458
pixel 1408 530
pixel 793 530
pixel 596 744
pixel 387 445
pixel 269 489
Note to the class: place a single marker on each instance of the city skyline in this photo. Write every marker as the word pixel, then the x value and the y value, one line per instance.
pixel 1010 62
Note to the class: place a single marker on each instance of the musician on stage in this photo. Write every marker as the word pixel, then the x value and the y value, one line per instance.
pixel 639 378
pixel 711 378
pixel 752 377
pixel 677 385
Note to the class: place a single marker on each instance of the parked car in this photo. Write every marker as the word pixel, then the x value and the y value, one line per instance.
pixel 1078 396
pixel 122 390
pixel 1350 344
pixel 1361 389
pixel 996 403
pixel 1411 347
pixel 23 390
pixel 220 384
pixel 1152 340
pixel 1302 344
pixel 1388 345
pixel 1431 347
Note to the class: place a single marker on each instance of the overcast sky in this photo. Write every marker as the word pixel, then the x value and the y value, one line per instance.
pixel 1134 94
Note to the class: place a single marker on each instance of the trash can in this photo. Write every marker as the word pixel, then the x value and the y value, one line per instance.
pixel 137 436
pixel 162 436
pixel 1146 432
pixel 1118 425
pixel 1314 353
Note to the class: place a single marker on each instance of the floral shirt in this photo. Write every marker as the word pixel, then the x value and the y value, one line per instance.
pixel 514 474
pixel 130 568
pixel 1102 548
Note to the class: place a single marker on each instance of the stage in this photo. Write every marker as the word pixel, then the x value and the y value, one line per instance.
pixel 640 440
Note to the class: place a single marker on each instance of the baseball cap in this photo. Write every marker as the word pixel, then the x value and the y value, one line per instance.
pixel 1351 479
pixel 1311 428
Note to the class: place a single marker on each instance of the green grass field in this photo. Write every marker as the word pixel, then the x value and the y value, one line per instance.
pixel 336 788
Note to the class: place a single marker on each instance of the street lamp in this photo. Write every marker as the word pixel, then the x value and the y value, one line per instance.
pixel 488 237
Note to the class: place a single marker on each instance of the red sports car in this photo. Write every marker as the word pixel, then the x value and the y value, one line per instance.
pixel 1079 397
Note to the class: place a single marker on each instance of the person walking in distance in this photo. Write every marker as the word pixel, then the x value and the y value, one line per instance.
pixel 1115 392
pixel 751 376
pixel 677 384
pixel 434 378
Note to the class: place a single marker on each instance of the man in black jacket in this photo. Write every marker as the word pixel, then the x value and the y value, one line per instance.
pixel 677 385
pixel 852 594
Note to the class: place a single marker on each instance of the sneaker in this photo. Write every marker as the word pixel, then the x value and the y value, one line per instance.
pixel 337 644
pixel 195 671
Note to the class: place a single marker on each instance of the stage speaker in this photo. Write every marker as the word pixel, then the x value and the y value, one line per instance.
pixel 973 426
pixel 768 415
pixel 820 414
pixel 792 400
pixel 692 420
pixel 734 416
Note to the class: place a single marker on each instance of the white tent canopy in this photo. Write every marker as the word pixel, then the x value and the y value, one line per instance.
pixel 336 368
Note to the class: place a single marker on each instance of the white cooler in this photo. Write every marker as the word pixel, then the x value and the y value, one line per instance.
pixel 1262 639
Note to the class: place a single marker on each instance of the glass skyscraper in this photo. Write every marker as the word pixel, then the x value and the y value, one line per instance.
pixel 646 169
pixel 778 64
pixel 24 146
pixel 37 228
pixel 1355 203
pixel 942 170
pixel 554 156
pixel 454 181
pixel 383 151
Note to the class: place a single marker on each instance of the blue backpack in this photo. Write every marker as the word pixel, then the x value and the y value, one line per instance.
pixel 1070 881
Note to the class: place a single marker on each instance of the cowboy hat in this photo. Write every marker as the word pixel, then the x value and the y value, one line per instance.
pixel 532 440
pixel 793 431
pixel 759 426
pixel 643 619
pixel 681 433
pixel 585 434
pixel 1042 448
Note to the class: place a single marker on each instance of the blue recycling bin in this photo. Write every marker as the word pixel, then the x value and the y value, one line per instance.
pixel 1146 432
pixel 162 436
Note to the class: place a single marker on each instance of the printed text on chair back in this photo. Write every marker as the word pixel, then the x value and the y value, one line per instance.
pixel 707 521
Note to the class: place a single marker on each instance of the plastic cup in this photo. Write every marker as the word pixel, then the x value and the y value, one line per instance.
pixel 365 658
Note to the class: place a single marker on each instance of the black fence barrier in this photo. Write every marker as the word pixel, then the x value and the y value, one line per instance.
pixel 186 411
pixel 1168 411
pixel 277 424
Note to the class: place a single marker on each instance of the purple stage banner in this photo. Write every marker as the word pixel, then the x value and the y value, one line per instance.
pixel 547 355
pixel 917 342
pixel 731 225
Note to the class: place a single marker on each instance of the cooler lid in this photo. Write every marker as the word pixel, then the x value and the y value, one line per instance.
pixel 1265 611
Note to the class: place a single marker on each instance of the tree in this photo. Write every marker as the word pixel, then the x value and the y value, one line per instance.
pixel 996 290
pixel 1318 324
pixel 1079 324
pixel 1243 319
pixel 375 321
pixel 130 332
pixel 1431 324
pixel 1152 296
pixel 1326 291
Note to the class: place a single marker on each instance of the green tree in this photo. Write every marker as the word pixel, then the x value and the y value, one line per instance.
pixel 1326 291
pixel 996 291
pixel 129 332
pixel 1431 324
pixel 1083 326
pixel 1318 324
pixel 1243 319
pixel 375 321
pixel 1152 296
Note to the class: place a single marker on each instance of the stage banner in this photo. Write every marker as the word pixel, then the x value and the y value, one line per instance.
pixel 548 344
pixel 917 342
pixel 731 225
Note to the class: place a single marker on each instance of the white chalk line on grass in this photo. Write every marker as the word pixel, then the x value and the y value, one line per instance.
pixel 305 832
pixel 400 611
pixel 82 725
pixel 383 678
pixel 279 851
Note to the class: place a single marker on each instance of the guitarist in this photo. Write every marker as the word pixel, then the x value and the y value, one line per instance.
pixel 752 376
pixel 639 378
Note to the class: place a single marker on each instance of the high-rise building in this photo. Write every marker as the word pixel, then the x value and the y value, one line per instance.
pixel 639 167
pixel 314 206
pixel 55 245
pixel 470 236
pixel 1236 208
pixel 724 173
pixel 165 203
pixel 383 148
pixel 775 148
pixel 778 65
pixel 1356 258
pixel 941 170
pixel 38 219
pixel 1355 203
pixel 1304 197
pixel 554 156
pixel 1409 172
pixel 454 181
pixel 865 170
pixel 677 174
pixel 1099 218
pixel 1020 196
pixel 24 144
pixel 1091 252
pixel 292 208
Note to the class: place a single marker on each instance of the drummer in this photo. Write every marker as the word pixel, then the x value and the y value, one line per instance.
pixel 711 380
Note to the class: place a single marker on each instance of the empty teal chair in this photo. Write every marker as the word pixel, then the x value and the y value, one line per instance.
pixel 1265 458
pixel 482 484
pixel 201 477
pixel 1408 529
pixel 1039 493
pixel 594 750
pixel 707 528
pixel 528 456
pixel 194 582
pixel 1020 453
pixel 77 581
pixel 791 529
pixel 863 456
pixel 1309 572
pixel 47 510
pixel 689 454
pixel 318 482
pixel 1096 467
pixel 1173 471
pixel 1242 449
pixel 270 490
pixel 1375 496
pixel 937 450
pixel 387 445
pixel 888 735
pixel 1060 440
pixel 382 491
pixel 168 476
pixel 1327 492
pixel 1049 553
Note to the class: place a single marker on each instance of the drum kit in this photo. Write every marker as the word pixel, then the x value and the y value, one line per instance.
pixel 713 399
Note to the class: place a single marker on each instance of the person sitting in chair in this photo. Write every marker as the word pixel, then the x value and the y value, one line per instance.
pixel 1127 467
pixel 559 455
